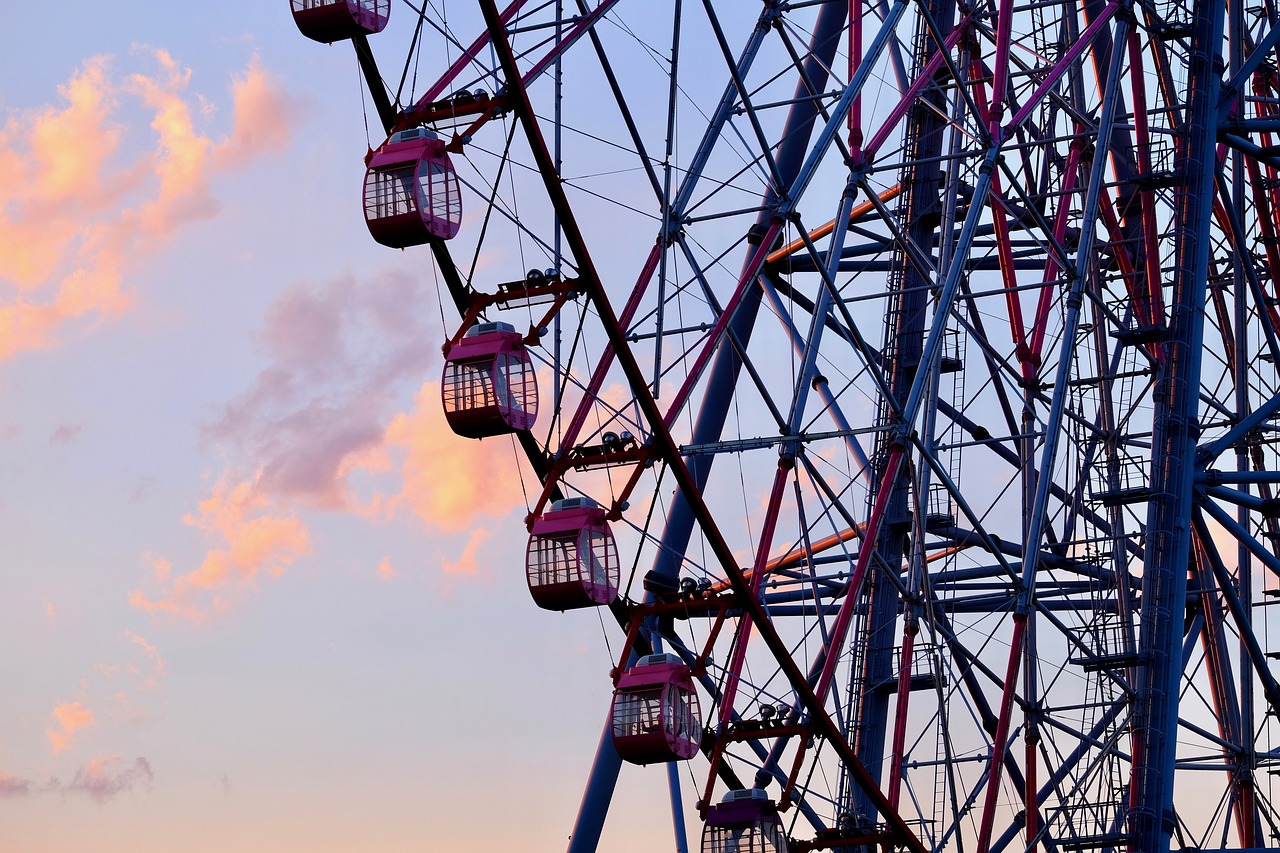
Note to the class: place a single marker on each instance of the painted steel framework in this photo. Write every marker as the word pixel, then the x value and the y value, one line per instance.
pixel 946 337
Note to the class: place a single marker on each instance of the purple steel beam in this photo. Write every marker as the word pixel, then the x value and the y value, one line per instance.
pixel 582 25
pixel 598 794
pixel 437 89
pixel 758 572
pixel 926 76
pixel 1064 64
pixel 1257 656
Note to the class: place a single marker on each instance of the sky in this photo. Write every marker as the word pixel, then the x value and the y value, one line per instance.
pixel 255 595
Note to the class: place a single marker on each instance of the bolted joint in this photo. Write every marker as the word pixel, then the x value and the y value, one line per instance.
pixel 787 452
pixel 771 15
pixel 671 229
pixel 756 234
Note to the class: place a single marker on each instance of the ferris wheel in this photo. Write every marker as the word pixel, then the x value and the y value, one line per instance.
pixel 902 377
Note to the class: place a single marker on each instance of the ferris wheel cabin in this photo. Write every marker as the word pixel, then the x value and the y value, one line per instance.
pixel 411 191
pixel 335 20
pixel 572 559
pixel 745 821
pixel 488 386
pixel 655 715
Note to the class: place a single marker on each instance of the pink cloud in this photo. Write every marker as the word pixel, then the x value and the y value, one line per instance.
pixel 255 539
pixel 339 354
pixel 84 200
pixel 311 427
pixel 69 718
pixel 114 688
pixel 265 116
pixel 324 427
pixel 105 777
pixel 11 786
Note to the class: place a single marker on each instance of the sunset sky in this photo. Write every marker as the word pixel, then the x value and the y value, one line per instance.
pixel 256 597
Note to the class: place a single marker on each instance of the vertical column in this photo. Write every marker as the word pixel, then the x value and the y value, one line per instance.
pixel 905 315
pixel 1176 395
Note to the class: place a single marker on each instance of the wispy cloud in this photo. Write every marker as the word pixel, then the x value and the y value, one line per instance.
pixel 106 777
pixel 101 779
pixel 12 786
pixel 265 117
pixel 466 563
pixel 64 434
pixel 158 670
pixel 339 355
pixel 332 424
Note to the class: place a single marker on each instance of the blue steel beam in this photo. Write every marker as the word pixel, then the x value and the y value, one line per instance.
pixel 1177 397
pixel 598 794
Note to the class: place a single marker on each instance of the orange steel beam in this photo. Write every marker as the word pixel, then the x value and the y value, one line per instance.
pixel 823 230
pixel 793 557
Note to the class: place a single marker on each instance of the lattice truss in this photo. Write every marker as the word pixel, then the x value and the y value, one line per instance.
pixel 953 330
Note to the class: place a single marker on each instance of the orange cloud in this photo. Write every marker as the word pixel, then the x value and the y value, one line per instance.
pixel 466 563
pixel 451 482
pixel 180 160
pixel 69 718
pixel 256 540
pixel 386 571
pixel 82 202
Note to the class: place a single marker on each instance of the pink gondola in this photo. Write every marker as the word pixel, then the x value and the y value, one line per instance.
pixel 572 559
pixel 334 20
pixel 489 387
pixel 655 715
pixel 411 191
pixel 745 821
